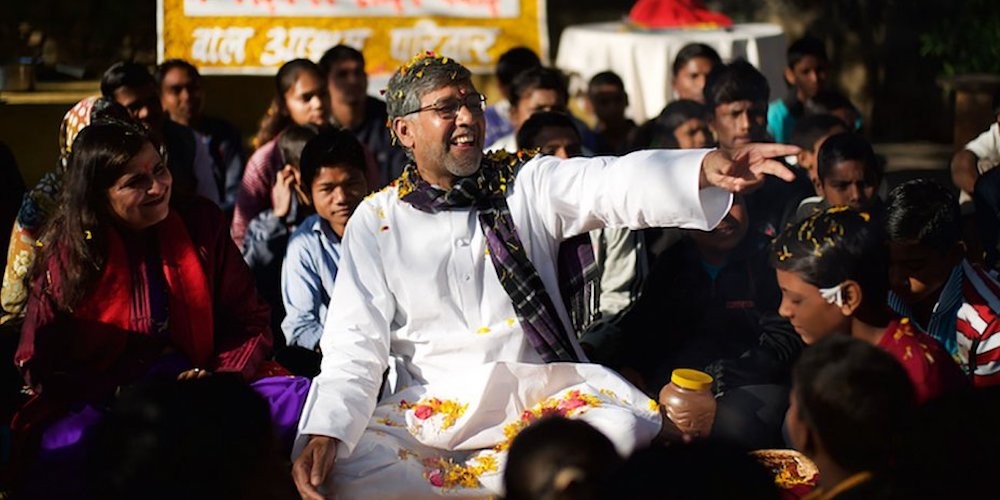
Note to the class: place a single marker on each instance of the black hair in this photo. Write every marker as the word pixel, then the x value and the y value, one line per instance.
pixel 538 78
pixel 736 81
pixel 685 471
pixel 658 133
pixel 693 51
pixel 514 62
pixel 292 140
pixel 811 128
pixel 857 398
pixel 74 238
pixel 277 118
pixel 339 53
pixel 606 78
pixel 331 147
pixel 806 46
pixel 559 458
pixel 847 146
pixel 836 245
pixel 125 74
pixel 204 438
pixel 528 133
pixel 169 64
pixel 924 212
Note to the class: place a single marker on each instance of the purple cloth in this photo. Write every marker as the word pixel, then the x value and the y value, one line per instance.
pixel 285 396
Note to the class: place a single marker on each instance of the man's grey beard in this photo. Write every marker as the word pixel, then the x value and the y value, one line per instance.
pixel 461 169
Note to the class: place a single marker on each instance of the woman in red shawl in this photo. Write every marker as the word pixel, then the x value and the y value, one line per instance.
pixel 130 284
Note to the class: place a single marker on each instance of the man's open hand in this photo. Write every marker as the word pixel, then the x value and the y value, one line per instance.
pixel 745 169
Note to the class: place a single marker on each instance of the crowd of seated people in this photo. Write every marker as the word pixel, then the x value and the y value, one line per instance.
pixel 170 288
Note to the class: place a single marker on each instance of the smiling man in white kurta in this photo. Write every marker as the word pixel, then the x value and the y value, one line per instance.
pixel 420 288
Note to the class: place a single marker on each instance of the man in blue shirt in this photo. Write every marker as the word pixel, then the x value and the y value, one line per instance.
pixel 332 169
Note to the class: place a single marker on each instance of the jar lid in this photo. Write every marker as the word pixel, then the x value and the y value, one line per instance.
pixel 691 379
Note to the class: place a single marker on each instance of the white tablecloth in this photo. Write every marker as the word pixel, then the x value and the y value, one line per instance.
pixel 644 58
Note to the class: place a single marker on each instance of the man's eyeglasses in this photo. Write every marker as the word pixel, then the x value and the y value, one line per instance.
pixel 447 109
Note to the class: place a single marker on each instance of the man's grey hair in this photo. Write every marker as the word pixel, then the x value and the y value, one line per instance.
pixel 423 74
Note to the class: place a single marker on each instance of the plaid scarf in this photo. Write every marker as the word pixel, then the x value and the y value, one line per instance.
pixel 486 192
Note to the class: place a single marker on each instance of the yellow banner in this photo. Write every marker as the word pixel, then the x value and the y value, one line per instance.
pixel 258 36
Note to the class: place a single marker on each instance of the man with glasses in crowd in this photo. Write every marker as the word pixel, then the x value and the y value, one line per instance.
pixel 448 284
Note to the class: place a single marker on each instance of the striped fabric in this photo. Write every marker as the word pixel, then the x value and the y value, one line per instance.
pixel 486 191
pixel 965 321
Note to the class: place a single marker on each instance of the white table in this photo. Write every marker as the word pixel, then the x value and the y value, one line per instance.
pixel 643 59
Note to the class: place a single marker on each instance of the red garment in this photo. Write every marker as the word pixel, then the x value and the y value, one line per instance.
pixel 215 316
pixel 676 14
pixel 931 369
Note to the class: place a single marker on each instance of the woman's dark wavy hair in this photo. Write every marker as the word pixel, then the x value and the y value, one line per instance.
pixel 277 118
pixel 73 241
pixel 836 245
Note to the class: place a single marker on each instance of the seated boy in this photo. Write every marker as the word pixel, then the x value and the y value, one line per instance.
pixel 736 97
pixel 333 171
pixel 806 76
pixel 932 282
pixel 832 268
pixel 848 174
pixel 849 408
pixel 607 100
pixel 978 156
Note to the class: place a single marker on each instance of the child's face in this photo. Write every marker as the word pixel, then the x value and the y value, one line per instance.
pixel 808 76
pixel 739 122
pixel 562 142
pixel 807 159
pixel 608 102
pixel 336 192
pixel 536 100
pixel 809 313
pixel 692 134
pixel 689 82
pixel 917 272
pixel 848 184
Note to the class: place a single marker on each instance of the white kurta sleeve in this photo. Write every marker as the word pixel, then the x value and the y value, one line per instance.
pixel 656 188
pixel 355 340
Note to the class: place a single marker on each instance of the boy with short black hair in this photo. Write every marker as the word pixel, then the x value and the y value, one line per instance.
pixel 332 170
pixel 809 134
pixel 954 301
pixel 849 407
pixel 510 64
pixel 806 76
pixel 848 174
pixel 607 100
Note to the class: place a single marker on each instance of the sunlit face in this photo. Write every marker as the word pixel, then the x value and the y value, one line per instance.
pixel 808 76
pixel 608 102
pixel 689 82
pixel 559 141
pixel 181 95
pixel 739 122
pixel 143 104
pixel 807 159
pixel 306 100
pixel 848 184
pixel 336 192
pixel 729 233
pixel 533 101
pixel 809 313
pixel 917 273
pixel 442 144
pixel 692 134
pixel 347 82
pixel 141 196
